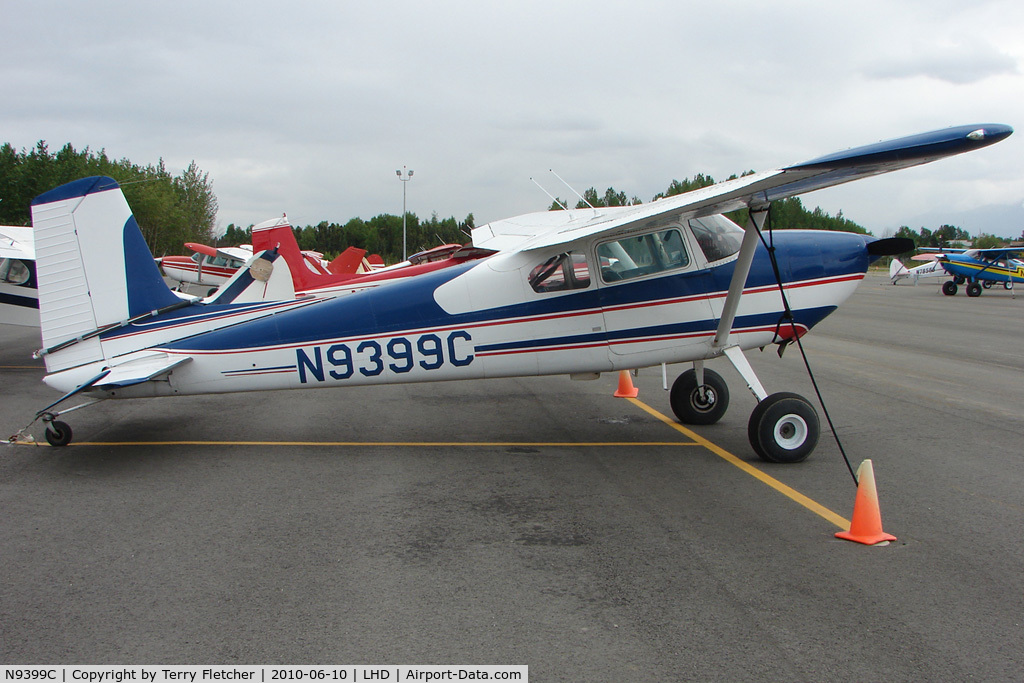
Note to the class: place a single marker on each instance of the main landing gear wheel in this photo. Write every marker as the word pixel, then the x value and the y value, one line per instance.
pixel 58 433
pixel 949 288
pixel 959 279
pixel 973 289
pixel 1007 285
pixel 987 284
pixel 784 428
pixel 699 405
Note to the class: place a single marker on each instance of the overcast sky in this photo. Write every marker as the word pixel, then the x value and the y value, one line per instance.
pixel 310 107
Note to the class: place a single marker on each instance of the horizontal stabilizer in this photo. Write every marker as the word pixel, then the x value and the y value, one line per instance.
pixel 141 370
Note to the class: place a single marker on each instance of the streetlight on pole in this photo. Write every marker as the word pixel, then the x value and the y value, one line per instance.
pixel 405 178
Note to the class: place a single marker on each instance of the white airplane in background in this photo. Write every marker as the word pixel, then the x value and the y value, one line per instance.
pixel 19 300
pixel 898 271
pixel 577 292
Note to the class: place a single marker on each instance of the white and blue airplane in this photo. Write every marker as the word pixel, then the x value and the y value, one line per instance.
pixel 578 292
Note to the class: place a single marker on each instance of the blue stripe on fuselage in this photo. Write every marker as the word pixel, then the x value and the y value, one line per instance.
pixel 408 305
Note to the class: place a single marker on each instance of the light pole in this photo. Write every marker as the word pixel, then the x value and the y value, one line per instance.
pixel 405 178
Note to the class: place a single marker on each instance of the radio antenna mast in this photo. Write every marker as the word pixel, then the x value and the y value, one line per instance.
pixel 582 198
pixel 564 207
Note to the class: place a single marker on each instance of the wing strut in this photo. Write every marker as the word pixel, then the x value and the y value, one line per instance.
pixel 751 236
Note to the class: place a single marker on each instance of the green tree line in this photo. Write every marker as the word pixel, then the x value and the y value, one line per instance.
pixel 170 210
pixel 380 235
pixel 950 235
pixel 786 213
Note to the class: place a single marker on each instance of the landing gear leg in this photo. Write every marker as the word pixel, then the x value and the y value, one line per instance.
pixel 58 433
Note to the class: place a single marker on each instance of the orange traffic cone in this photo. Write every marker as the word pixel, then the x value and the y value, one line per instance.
pixel 866 527
pixel 626 388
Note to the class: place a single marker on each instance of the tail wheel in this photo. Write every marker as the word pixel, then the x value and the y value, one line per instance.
pixel 783 428
pixel 949 288
pixel 973 289
pixel 58 433
pixel 699 405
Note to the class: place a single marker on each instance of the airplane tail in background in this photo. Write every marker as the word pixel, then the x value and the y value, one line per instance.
pixel 265 277
pixel 277 234
pixel 91 283
pixel 897 271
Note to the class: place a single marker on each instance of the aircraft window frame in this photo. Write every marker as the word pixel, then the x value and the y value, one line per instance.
pixel 14 272
pixel 552 275
pixel 717 237
pixel 658 251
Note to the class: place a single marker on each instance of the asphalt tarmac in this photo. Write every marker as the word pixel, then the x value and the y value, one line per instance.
pixel 541 521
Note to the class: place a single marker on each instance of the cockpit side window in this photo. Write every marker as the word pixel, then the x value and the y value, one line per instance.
pixel 717 236
pixel 641 255
pixel 560 273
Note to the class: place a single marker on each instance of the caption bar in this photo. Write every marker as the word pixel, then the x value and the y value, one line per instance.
pixel 262 673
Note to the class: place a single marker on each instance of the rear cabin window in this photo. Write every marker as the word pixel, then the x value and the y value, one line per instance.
pixel 14 271
pixel 631 257
pixel 560 273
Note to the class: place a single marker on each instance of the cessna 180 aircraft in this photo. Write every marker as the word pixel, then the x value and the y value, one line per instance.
pixel 576 292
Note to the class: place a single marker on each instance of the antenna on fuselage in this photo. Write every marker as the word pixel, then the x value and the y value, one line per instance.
pixel 571 189
pixel 564 207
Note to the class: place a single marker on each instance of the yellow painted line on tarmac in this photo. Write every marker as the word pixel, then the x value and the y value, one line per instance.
pixel 398 444
pixel 695 440
pixel 789 492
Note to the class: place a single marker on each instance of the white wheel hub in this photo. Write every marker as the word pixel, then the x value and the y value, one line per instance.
pixel 791 432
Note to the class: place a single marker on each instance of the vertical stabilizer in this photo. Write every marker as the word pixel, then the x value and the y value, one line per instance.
pixel 94 268
pixel 276 234
pixel 265 277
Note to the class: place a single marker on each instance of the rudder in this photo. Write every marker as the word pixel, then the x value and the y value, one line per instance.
pixel 93 265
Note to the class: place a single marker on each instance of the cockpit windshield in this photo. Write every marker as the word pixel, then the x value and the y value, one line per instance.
pixel 717 236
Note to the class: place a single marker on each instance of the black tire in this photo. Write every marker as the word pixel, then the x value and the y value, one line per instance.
pixel 987 284
pixel 973 289
pixel 959 279
pixel 949 288
pixel 58 433
pixel 695 407
pixel 1008 284
pixel 783 428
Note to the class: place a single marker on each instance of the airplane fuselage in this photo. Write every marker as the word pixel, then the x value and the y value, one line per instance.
pixel 484 319
pixel 1003 270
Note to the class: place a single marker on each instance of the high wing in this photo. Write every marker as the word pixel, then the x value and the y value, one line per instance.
pixel 997 252
pixel 545 229
pixel 238 253
pixel 16 242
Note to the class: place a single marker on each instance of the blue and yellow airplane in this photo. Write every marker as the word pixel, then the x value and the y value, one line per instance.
pixel 981 268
